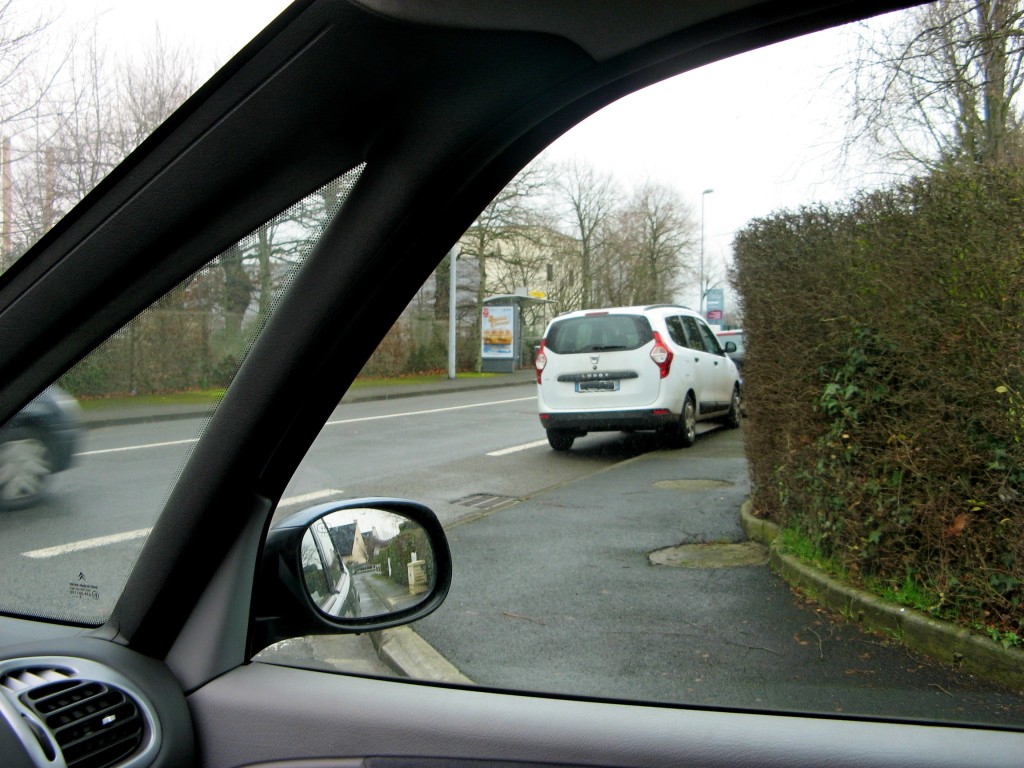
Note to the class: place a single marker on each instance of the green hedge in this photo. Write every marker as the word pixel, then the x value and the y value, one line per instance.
pixel 885 388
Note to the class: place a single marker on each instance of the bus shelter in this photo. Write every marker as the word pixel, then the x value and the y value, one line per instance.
pixel 511 325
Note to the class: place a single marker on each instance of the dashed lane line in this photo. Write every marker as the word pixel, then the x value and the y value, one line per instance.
pixel 335 423
pixel 518 448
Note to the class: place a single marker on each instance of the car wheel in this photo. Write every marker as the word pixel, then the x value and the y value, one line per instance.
pixel 688 424
pixel 560 441
pixel 732 419
pixel 684 433
pixel 24 466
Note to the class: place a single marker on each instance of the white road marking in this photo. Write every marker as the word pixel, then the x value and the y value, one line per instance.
pixel 118 538
pixel 328 424
pixel 306 498
pixel 432 410
pixel 138 447
pixel 78 546
pixel 517 448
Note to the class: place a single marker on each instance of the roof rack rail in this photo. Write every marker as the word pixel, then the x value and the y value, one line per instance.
pixel 668 306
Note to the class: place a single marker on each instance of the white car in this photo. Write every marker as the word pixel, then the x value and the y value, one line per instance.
pixel 627 368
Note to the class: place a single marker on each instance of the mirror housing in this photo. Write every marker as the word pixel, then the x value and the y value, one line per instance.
pixel 320 573
pixel 730 346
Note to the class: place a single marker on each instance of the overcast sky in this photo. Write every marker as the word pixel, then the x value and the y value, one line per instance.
pixel 761 129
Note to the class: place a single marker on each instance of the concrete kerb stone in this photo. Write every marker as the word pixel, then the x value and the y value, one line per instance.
pixel 941 640
pixel 411 656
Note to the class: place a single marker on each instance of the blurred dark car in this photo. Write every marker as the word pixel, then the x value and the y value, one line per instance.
pixel 41 439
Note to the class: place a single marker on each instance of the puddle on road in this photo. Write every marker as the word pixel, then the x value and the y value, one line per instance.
pixel 711 555
pixel 692 485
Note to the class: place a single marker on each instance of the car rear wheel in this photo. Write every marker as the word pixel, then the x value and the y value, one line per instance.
pixel 24 466
pixel 732 419
pixel 559 440
pixel 684 433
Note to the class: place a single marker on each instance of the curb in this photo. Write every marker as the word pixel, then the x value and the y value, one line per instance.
pixel 111 420
pixel 943 641
pixel 429 390
pixel 411 656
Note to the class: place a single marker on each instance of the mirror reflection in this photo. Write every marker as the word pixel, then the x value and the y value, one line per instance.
pixel 365 562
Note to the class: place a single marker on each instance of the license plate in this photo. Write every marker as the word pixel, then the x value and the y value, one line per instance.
pixel 597 386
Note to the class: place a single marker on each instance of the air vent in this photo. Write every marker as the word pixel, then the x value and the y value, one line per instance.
pixel 94 724
pixel 78 713
pixel 23 679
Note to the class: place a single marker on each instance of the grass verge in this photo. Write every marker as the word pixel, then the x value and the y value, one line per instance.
pixel 210 397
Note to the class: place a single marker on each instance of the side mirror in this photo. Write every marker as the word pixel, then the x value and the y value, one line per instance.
pixel 348 567
pixel 730 346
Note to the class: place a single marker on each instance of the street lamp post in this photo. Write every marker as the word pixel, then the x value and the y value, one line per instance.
pixel 453 292
pixel 700 286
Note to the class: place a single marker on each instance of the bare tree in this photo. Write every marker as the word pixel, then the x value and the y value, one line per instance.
pixel 86 123
pixel 22 37
pixel 588 199
pixel 944 89
pixel 652 246
pixel 509 216
pixel 151 89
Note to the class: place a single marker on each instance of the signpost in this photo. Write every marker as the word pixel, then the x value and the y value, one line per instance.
pixel 715 312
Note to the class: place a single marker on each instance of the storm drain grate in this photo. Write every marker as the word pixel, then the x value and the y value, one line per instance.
pixel 486 501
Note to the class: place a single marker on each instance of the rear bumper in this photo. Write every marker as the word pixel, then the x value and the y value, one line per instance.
pixel 609 421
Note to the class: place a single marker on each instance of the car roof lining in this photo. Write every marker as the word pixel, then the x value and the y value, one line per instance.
pixel 602 28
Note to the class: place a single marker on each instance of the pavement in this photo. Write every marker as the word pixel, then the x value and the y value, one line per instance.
pixel 402 651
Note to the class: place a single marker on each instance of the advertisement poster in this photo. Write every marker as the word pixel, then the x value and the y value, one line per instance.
pixel 496 332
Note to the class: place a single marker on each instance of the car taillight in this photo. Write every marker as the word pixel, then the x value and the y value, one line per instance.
pixel 661 355
pixel 540 361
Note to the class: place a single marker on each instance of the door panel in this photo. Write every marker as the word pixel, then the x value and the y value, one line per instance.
pixel 261 713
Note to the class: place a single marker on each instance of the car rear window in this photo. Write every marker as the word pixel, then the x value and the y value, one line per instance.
pixel 598 333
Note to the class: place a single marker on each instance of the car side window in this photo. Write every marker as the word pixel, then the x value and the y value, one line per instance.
pixel 85 468
pixel 710 340
pixel 675 330
pixel 693 335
